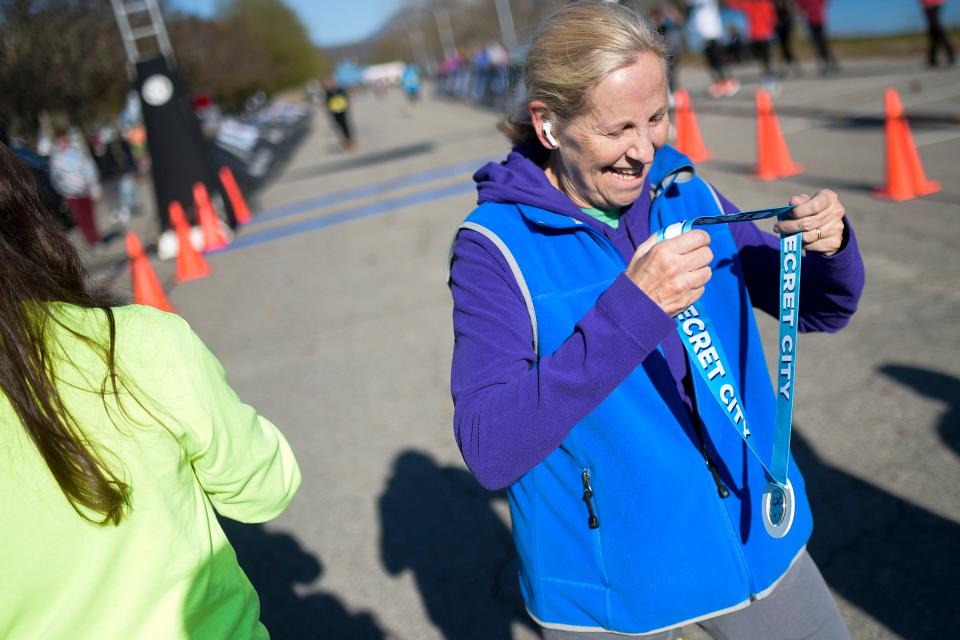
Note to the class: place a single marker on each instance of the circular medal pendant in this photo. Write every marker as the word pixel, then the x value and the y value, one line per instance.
pixel 778 508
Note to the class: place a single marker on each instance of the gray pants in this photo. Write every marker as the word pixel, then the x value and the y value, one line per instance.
pixel 800 608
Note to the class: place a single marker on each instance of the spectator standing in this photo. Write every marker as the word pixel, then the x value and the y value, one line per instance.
pixel 735 50
pixel 761 20
pixel 500 62
pixel 815 12
pixel 784 29
pixel 338 106
pixel 121 443
pixel 74 176
pixel 118 169
pixel 936 34
pixel 410 80
pixel 669 24
pixel 40 170
pixel 480 63
pixel 704 20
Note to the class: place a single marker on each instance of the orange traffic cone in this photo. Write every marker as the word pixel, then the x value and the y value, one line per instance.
pixel 190 264
pixel 773 157
pixel 146 286
pixel 213 235
pixel 689 140
pixel 905 176
pixel 240 209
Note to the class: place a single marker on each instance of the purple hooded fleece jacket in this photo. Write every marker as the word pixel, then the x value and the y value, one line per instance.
pixel 512 410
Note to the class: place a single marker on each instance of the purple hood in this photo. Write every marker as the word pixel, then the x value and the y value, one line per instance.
pixel 520 180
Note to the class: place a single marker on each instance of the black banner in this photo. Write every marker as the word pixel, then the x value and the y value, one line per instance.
pixel 179 154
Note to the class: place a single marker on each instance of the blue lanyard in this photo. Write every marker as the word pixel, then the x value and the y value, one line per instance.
pixel 707 357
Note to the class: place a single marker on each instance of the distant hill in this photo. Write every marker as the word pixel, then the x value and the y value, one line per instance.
pixel 355 50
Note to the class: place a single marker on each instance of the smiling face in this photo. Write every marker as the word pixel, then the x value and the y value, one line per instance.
pixel 604 153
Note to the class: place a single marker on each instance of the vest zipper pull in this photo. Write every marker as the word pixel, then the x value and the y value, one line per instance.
pixel 722 490
pixel 592 521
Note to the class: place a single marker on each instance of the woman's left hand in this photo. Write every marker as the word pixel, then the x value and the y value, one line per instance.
pixel 820 218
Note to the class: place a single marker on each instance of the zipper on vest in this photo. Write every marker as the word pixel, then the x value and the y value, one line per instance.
pixel 691 390
pixel 592 521
pixel 722 489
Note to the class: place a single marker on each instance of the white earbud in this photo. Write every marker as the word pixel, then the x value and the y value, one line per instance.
pixel 548 134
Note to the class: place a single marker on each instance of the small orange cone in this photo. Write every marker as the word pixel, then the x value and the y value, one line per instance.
pixel 689 140
pixel 146 286
pixel 214 237
pixel 905 176
pixel 190 264
pixel 240 209
pixel 773 157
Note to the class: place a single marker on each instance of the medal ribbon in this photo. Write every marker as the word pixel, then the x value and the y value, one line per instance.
pixel 699 339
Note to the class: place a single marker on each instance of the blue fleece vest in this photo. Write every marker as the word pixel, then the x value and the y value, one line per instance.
pixel 654 546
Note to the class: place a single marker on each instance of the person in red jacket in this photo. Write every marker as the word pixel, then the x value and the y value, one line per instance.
pixel 816 14
pixel 936 34
pixel 761 21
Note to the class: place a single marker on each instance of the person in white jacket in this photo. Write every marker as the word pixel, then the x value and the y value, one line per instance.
pixel 704 20
pixel 74 176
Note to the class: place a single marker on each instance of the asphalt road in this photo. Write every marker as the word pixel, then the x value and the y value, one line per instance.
pixel 331 316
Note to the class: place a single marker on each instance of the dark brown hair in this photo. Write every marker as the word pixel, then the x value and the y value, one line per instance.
pixel 38 267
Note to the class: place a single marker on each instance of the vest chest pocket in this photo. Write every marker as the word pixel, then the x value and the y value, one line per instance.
pixel 575 292
pixel 558 311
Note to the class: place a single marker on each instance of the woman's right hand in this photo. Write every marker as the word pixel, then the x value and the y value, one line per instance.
pixel 673 272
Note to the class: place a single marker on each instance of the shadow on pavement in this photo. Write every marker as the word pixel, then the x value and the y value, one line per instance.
pixel 831 118
pixel 892 559
pixel 280 569
pixel 820 182
pixel 816 182
pixel 345 163
pixel 938 386
pixel 438 522
pixel 749 74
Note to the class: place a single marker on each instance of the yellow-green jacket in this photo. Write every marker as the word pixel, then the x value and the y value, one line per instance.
pixel 192 449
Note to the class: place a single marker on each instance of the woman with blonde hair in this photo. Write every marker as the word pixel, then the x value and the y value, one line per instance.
pixel 635 505
pixel 121 441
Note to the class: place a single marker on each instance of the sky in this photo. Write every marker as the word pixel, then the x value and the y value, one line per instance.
pixel 329 22
pixel 336 22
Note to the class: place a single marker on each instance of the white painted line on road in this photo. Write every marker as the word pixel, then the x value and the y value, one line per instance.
pixel 875 108
pixel 936 137
pixel 911 99
pixel 837 88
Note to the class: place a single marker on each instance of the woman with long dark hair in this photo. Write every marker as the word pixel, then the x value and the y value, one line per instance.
pixel 120 440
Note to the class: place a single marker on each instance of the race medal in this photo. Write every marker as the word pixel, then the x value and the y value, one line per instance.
pixel 778 497
pixel 778 508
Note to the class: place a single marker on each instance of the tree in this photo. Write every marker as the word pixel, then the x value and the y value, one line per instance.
pixel 276 32
pixel 67 57
pixel 215 58
pixel 59 55
pixel 474 24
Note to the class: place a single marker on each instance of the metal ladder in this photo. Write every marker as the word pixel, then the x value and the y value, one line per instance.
pixel 148 25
